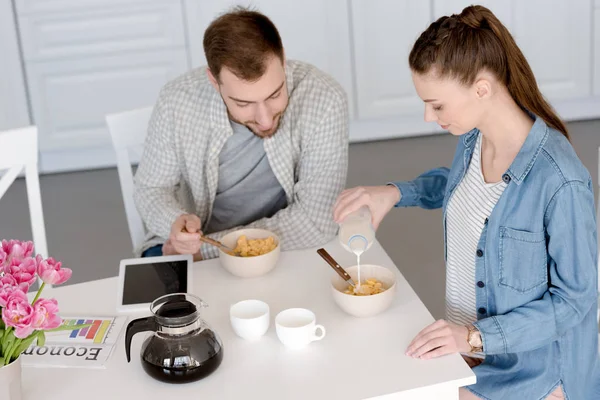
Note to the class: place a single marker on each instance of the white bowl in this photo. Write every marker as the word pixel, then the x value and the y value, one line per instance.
pixel 249 267
pixel 365 306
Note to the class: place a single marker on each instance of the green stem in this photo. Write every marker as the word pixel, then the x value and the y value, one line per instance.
pixel 39 292
pixel 11 350
pixel 6 332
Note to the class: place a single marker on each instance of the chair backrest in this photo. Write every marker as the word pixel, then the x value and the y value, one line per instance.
pixel 18 151
pixel 128 132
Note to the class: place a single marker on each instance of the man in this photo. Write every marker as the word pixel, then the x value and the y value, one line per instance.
pixel 252 140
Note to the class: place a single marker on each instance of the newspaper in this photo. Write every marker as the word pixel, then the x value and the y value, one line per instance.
pixel 89 347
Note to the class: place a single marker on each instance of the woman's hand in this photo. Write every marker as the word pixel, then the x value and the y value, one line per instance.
pixel 379 199
pixel 438 339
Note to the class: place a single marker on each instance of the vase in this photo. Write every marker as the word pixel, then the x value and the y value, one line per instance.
pixel 10 381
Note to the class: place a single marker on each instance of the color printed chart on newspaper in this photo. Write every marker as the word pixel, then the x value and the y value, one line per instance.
pixel 88 347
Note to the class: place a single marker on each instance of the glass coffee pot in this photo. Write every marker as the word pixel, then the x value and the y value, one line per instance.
pixel 183 348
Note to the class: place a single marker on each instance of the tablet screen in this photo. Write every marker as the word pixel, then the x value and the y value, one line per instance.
pixel 144 283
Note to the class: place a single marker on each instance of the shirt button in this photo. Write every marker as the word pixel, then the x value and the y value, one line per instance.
pixel 479 253
pixel 480 284
pixel 481 310
pixel 506 178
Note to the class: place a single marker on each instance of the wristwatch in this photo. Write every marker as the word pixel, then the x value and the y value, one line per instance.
pixel 474 339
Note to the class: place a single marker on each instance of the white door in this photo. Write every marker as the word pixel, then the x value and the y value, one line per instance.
pixel 13 100
pixel 384 32
pixel 554 36
pixel 314 31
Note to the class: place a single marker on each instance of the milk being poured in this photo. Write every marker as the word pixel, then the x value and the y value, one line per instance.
pixel 358 250
pixel 357 235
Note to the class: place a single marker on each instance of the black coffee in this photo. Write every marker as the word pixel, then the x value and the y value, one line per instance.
pixel 182 359
pixel 183 374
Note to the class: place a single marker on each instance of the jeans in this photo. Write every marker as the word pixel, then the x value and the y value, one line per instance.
pixel 155 251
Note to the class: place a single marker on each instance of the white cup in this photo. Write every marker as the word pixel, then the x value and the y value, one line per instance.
pixel 296 328
pixel 250 319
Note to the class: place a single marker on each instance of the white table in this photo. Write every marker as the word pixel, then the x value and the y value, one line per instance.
pixel 358 359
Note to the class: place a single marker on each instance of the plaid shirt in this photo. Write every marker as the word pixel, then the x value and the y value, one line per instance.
pixel 178 172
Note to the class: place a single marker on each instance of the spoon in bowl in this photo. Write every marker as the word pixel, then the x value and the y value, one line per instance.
pixel 338 268
pixel 218 244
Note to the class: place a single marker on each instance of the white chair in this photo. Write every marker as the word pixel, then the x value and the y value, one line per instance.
pixel 128 132
pixel 18 151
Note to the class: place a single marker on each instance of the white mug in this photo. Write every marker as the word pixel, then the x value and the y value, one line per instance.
pixel 296 328
pixel 250 319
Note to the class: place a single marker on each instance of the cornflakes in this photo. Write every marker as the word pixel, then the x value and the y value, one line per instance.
pixel 369 287
pixel 254 247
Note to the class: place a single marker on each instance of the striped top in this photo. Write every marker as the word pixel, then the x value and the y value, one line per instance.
pixel 472 202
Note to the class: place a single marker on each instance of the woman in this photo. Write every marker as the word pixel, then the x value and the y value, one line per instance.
pixel 519 225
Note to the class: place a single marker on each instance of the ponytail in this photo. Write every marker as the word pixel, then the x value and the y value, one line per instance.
pixel 461 46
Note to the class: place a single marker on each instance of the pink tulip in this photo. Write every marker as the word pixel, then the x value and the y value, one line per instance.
pixel 3 258
pixel 45 314
pixel 9 284
pixel 50 272
pixel 18 313
pixel 22 270
pixel 16 249
pixel 8 279
pixel 6 290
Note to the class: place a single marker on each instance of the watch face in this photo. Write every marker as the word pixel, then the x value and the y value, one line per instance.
pixel 475 339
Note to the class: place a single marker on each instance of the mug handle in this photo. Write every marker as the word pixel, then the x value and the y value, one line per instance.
pixel 322 335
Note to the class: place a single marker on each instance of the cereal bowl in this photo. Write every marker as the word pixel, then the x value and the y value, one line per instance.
pixel 253 266
pixel 365 306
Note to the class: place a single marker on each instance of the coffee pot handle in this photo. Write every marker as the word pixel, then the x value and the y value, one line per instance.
pixel 137 326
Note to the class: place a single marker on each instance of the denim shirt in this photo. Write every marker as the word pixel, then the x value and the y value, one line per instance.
pixel 537 257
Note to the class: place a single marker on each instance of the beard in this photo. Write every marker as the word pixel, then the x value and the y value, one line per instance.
pixel 252 125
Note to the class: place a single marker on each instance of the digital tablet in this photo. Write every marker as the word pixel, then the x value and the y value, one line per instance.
pixel 142 280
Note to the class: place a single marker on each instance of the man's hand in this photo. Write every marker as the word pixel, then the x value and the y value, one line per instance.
pixel 185 236
pixel 439 339
pixel 169 250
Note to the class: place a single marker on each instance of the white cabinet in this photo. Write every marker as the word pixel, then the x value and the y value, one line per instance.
pixel 554 36
pixel 13 96
pixel 60 6
pixel 81 59
pixel 384 32
pixel 88 58
pixel 71 99
pixel 108 30
pixel 314 31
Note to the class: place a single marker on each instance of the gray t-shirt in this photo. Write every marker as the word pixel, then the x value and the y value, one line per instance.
pixel 247 190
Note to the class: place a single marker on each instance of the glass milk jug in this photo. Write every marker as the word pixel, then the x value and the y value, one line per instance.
pixel 356 231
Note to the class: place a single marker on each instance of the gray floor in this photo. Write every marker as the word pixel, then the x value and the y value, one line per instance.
pixel 86 226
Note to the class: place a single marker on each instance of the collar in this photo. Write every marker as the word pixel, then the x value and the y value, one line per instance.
pixel 523 162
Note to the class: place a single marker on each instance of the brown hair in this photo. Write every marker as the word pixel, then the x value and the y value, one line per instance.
pixel 241 40
pixel 460 46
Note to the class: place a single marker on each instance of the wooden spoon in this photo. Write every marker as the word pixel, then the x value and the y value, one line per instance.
pixel 336 267
pixel 218 244
pixel 215 243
